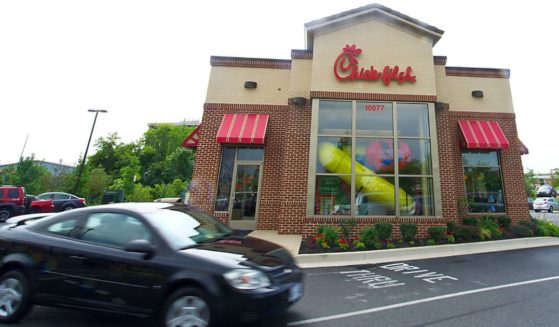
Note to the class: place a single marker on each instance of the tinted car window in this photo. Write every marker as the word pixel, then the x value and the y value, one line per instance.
pixel 61 196
pixel 183 229
pixel 64 227
pixel 45 196
pixel 13 193
pixel 114 229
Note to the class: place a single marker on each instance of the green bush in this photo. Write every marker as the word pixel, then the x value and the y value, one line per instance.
pixel 383 230
pixel 329 235
pixel 450 225
pixel 346 227
pixel 408 231
pixel 431 242
pixel 470 221
pixel 521 231
pixel 450 239
pixel 488 223
pixel 546 228
pixel 368 236
pixel 437 233
pixel 466 233
pixel 530 224
pixel 504 221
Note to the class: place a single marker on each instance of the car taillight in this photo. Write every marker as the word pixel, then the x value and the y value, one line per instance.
pixel 82 201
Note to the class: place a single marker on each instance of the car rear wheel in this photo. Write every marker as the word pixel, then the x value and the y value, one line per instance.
pixel 187 307
pixel 14 296
pixel 5 213
pixel 69 207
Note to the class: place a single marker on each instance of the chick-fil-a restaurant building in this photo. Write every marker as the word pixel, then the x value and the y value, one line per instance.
pixel 363 124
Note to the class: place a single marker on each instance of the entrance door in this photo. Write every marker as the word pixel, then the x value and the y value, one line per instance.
pixel 244 198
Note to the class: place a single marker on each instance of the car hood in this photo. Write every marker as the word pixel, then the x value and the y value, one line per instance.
pixel 235 252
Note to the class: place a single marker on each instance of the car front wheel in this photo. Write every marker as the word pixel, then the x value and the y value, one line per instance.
pixel 5 213
pixel 14 296
pixel 550 209
pixel 187 307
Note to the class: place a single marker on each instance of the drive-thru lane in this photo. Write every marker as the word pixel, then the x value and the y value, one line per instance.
pixel 355 295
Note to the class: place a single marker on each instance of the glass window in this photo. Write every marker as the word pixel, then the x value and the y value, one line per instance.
pixel 13 194
pixel 413 120
pixel 64 227
pixel 482 176
pixel 383 172
pixel 374 119
pixel 225 179
pixel 335 117
pixel 113 229
pixel 332 151
pixel 251 154
pixel 182 229
pixel 61 196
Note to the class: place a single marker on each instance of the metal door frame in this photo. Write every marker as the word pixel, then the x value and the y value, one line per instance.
pixel 244 225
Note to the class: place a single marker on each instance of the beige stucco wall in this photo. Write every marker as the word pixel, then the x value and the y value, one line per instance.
pixel 226 85
pixel 301 72
pixel 457 92
pixel 382 45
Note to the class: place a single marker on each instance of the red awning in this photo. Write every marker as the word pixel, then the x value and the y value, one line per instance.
pixel 191 141
pixel 479 134
pixel 523 148
pixel 242 129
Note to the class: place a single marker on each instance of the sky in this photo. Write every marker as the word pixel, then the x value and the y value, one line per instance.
pixel 149 61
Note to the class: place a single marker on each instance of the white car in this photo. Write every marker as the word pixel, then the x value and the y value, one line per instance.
pixel 546 203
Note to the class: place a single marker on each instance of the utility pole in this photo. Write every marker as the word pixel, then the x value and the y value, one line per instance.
pixel 96 111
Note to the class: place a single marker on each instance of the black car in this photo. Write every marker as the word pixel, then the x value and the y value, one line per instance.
pixel 161 260
pixel 63 201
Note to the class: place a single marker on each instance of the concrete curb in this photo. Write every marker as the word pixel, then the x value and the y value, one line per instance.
pixel 424 252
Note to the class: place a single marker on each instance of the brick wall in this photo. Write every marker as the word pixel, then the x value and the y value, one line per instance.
pixel 283 190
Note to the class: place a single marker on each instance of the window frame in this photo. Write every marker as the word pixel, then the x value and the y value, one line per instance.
pixel 315 135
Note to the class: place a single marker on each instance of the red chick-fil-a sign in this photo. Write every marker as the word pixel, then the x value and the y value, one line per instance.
pixel 346 68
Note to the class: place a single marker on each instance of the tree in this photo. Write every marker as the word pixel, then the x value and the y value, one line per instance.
pixel 97 182
pixel 29 174
pixel 530 181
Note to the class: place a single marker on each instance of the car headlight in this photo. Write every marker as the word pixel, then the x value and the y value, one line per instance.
pixel 247 279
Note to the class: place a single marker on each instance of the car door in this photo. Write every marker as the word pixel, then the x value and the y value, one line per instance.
pixel 111 277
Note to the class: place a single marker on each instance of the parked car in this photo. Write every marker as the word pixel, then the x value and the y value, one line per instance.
pixel 35 205
pixel 530 204
pixel 546 191
pixel 547 203
pixel 63 201
pixel 159 260
pixel 29 218
pixel 12 201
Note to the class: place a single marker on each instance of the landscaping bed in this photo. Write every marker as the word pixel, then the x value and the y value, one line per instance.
pixel 341 238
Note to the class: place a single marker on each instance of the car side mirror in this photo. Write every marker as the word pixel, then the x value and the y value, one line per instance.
pixel 140 246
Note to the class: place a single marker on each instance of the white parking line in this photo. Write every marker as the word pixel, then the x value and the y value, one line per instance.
pixel 430 299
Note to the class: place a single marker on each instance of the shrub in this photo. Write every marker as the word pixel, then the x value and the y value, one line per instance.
pixel 326 236
pixel 521 231
pixel 504 221
pixel 408 231
pixel 346 227
pixel 484 233
pixel 547 228
pixel 488 224
pixel 450 225
pixel 466 233
pixel 470 221
pixel 437 233
pixel 450 239
pixel 368 236
pixel 431 242
pixel 383 230
pixel 530 224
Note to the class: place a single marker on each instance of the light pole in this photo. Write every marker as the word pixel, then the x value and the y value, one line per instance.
pixel 96 111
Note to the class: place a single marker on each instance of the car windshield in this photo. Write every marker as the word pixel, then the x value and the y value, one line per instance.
pixel 545 188
pixel 183 229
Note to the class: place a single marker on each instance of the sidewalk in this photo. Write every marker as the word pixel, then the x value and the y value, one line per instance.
pixel 292 243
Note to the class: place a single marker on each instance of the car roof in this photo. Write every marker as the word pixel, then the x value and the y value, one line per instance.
pixel 139 207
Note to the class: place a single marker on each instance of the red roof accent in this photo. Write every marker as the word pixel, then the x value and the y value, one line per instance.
pixel 480 134
pixel 242 129
pixel 191 141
